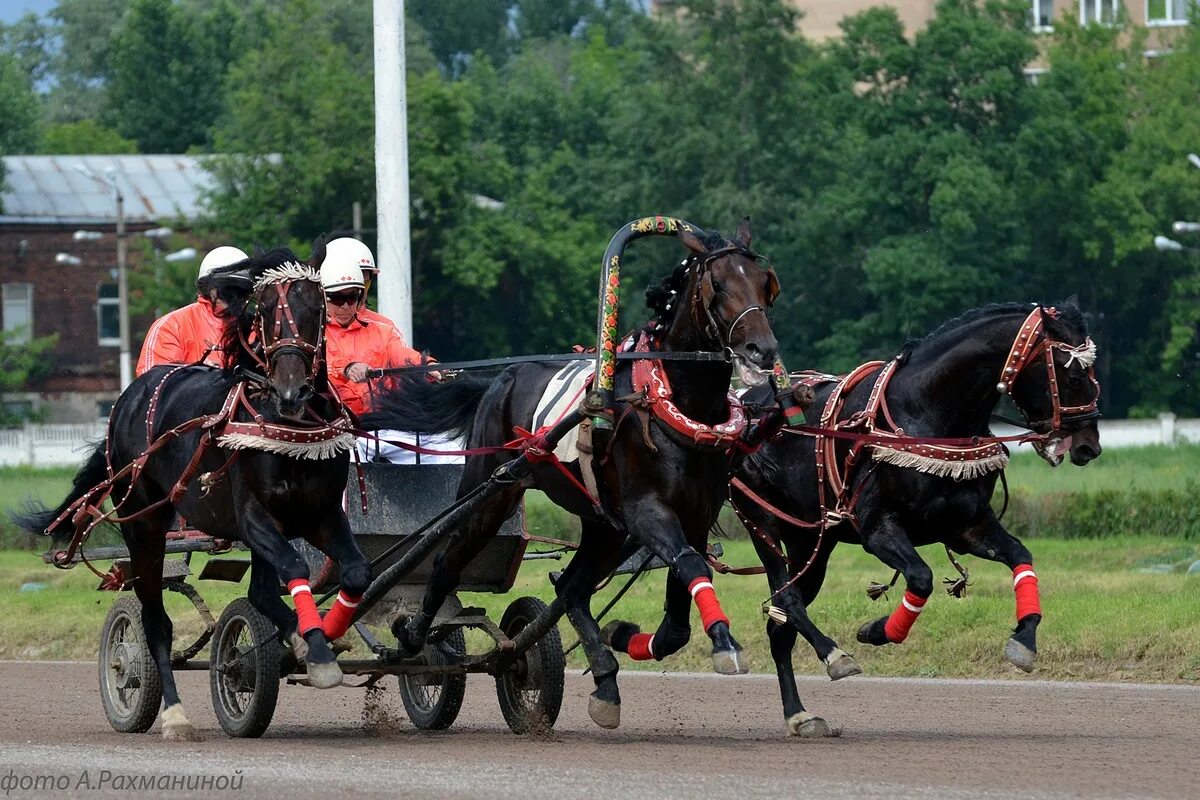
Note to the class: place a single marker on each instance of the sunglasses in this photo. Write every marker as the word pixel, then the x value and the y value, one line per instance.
pixel 344 298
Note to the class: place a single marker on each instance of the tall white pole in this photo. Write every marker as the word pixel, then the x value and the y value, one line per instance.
pixel 393 252
pixel 123 291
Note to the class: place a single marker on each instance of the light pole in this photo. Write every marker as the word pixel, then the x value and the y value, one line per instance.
pixel 66 259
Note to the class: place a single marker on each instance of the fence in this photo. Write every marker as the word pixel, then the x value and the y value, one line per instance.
pixel 48 445
pixel 65 445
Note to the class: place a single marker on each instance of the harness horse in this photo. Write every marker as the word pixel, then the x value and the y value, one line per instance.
pixel 654 463
pixel 271 452
pixel 907 459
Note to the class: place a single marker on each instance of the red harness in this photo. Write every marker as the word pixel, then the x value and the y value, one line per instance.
pixel 650 380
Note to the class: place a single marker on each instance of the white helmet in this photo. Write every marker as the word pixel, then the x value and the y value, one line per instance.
pixel 219 257
pixel 350 251
pixel 336 276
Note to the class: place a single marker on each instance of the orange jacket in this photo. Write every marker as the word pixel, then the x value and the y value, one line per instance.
pixel 182 337
pixel 374 342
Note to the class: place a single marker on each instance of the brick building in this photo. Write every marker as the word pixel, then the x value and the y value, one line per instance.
pixel 46 199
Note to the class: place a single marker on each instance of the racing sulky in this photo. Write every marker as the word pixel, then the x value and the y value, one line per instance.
pixel 269 445
pixel 659 481
pixel 899 454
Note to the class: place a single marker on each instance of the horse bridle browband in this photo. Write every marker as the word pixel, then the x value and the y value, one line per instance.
pixel 1032 342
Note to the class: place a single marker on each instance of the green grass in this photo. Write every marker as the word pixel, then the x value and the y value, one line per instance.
pixel 1105 619
pixel 1153 467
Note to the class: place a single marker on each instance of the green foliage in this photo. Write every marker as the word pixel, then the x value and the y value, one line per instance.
pixel 85 136
pixel 21 363
pixel 18 108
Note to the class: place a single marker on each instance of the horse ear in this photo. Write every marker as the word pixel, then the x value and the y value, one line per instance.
pixel 743 232
pixel 1071 302
pixel 692 242
pixel 259 250
pixel 772 285
pixel 318 252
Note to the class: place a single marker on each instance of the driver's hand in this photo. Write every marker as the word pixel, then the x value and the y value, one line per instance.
pixel 356 372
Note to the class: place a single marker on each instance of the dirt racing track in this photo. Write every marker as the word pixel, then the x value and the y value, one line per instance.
pixel 682 736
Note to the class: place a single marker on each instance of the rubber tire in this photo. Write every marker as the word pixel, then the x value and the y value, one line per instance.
pixel 444 711
pixel 144 709
pixel 548 655
pixel 264 670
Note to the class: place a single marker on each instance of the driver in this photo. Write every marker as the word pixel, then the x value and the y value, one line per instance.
pixel 354 344
pixel 191 334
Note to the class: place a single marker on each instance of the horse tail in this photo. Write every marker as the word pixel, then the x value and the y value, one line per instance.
pixel 414 404
pixel 35 518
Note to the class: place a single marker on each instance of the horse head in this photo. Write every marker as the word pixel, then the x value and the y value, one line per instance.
pixel 727 295
pixel 278 323
pixel 1055 384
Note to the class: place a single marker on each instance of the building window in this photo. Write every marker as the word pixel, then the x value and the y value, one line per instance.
pixel 18 312
pixel 108 317
pixel 1043 15
pixel 1101 11
pixel 1167 12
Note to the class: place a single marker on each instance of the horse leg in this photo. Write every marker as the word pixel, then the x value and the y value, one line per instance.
pixel 663 534
pixel 146 540
pixel 263 594
pixel 888 542
pixel 354 572
pixel 672 634
pixel 990 541
pixel 596 556
pixel 262 535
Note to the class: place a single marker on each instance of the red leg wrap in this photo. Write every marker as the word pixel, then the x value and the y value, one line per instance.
pixel 640 645
pixel 306 607
pixel 707 603
pixel 1025 586
pixel 901 621
pixel 337 619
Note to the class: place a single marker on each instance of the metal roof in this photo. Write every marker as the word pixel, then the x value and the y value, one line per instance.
pixel 54 190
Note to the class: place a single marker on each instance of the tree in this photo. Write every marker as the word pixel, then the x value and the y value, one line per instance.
pixel 85 136
pixel 22 363
pixel 18 109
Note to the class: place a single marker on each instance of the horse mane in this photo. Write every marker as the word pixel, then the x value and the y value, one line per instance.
pixel 1069 315
pixel 234 285
pixel 661 298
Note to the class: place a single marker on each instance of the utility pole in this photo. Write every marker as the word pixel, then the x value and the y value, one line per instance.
pixel 123 291
pixel 393 249
pixel 356 216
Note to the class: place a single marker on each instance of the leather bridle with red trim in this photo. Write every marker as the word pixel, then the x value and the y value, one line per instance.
pixel 1033 342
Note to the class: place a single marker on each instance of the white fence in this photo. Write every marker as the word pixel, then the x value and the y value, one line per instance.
pixel 48 445
pixel 66 445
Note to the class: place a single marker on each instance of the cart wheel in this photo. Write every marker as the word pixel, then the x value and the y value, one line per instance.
pixel 130 686
pixel 244 681
pixel 433 701
pixel 531 690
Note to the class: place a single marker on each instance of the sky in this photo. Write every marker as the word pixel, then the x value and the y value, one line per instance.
pixel 12 11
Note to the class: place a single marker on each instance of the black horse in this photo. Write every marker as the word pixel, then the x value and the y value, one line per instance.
pixel 252 495
pixel 899 493
pixel 656 484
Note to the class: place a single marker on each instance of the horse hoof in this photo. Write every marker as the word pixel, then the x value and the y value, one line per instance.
pixel 603 713
pixel 840 665
pixel 325 676
pixel 872 632
pixel 617 633
pixel 808 726
pixel 729 662
pixel 176 727
pixel 298 645
pixel 1019 655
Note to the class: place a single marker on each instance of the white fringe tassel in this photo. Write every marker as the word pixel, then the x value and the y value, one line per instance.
pixel 958 470
pixel 290 271
pixel 315 451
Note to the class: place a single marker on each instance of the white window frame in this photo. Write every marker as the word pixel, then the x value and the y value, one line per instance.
pixel 1168 22
pixel 1035 7
pixel 101 302
pixel 10 299
pixel 1034 74
pixel 1097 6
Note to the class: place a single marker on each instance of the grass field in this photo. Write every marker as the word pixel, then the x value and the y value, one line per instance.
pixel 1119 608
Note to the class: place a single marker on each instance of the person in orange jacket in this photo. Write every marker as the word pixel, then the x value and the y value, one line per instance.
pixel 189 334
pixel 351 251
pixel 355 344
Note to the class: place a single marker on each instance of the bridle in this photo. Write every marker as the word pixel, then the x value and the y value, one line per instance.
pixel 281 279
pixel 1033 342
pixel 713 327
